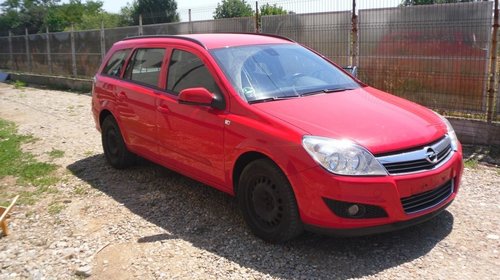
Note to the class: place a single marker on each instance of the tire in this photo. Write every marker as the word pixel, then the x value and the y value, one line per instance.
pixel 114 147
pixel 268 203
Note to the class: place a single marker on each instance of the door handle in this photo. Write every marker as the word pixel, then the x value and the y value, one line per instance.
pixel 163 109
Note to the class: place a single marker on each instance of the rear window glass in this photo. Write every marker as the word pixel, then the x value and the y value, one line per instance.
pixel 115 63
pixel 145 66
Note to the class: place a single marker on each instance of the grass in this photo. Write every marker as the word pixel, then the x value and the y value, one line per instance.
pixel 55 208
pixel 55 153
pixel 80 190
pixel 23 166
pixel 31 197
pixel 88 153
pixel 471 163
pixel 19 84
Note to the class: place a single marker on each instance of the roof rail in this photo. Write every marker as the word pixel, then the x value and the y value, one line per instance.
pixel 166 36
pixel 261 34
pixel 199 42
pixel 273 35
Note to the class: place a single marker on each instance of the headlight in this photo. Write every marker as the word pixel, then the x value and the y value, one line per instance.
pixel 451 133
pixel 342 157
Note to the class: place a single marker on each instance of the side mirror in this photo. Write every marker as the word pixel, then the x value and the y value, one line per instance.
pixel 196 96
pixel 352 69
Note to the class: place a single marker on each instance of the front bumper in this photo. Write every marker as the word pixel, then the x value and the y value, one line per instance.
pixel 351 232
pixel 315 186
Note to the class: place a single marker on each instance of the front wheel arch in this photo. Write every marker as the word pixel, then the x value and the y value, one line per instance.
pixel 268 202
pixel 240 164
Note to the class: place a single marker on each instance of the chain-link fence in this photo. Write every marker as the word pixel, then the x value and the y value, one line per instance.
pixel 79 53
pixel 329 33
pixel 435 55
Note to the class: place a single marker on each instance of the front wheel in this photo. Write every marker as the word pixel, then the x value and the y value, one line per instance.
pixel 114 147
pixel 268 202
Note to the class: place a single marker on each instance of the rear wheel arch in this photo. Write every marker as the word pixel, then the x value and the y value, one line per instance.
pixel 115 149
pixel 106 113
pixel 103 115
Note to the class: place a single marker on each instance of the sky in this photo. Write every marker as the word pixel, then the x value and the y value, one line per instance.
pixel 203 9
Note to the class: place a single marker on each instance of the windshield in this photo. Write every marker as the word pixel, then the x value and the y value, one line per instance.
pixel 272 72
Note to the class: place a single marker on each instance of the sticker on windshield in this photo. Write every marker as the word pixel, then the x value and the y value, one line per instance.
pixel 249 92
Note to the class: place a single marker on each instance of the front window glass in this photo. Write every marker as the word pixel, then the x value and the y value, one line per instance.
pixel 261 72
pixel 186 70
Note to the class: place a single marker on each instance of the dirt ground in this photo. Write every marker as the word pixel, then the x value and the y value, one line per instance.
pixel 151 223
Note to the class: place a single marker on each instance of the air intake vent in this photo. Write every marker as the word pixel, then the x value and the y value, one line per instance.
pixel 428 199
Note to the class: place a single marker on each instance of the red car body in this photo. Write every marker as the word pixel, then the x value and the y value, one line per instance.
pixel 213 145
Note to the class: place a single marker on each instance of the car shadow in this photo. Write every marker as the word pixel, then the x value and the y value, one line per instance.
pixel 210 220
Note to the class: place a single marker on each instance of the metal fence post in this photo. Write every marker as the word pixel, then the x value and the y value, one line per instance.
pixel 28 56
pixel 354 36
pixel 257 25
pixel 190 24
pixel 11 55
pixel 140 25
pixel 103 41
pixel 49 57
pixel 73 52
pixel 493 65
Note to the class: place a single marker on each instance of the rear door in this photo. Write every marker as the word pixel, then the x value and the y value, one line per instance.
pixel 191 136
pixel 137 98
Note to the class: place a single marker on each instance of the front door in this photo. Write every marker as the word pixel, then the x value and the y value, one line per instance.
pixel 191 136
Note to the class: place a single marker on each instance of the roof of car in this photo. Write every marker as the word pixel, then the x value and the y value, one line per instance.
pixel 221 40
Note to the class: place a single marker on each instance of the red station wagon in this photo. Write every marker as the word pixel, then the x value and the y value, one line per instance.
pixel 301 143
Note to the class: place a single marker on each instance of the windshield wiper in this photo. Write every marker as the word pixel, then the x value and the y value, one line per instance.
pixel 327 90
pixel 274 98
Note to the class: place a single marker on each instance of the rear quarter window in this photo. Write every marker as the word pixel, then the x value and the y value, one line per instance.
pixel 145 66
pixel 115 64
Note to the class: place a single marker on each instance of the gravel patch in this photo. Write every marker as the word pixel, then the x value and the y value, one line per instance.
pixel 151 223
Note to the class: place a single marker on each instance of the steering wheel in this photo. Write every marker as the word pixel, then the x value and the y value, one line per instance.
pixel 297 75
pixel 317 74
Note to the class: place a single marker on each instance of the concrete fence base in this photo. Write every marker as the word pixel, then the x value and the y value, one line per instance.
pixel 56 82
pixel 476 132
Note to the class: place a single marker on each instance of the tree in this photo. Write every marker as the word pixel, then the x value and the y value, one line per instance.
pixel 233 8
pixel 127 14
pixel 94 21
pixel 37 15
pixel 152 11
pixel 73 13
pixel 430 2
pixel 20 14
pixel 271 10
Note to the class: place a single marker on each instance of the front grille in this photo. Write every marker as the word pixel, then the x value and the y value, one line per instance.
pixel 417 160
pixel 428 199
pixel 416 165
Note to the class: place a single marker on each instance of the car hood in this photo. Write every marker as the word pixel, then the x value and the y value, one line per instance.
pixel 379 121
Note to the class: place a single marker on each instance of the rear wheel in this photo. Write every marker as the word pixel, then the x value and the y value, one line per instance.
pixel 268 202
pixel 114 147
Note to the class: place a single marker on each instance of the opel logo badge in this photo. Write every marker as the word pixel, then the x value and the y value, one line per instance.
pixel 430 155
